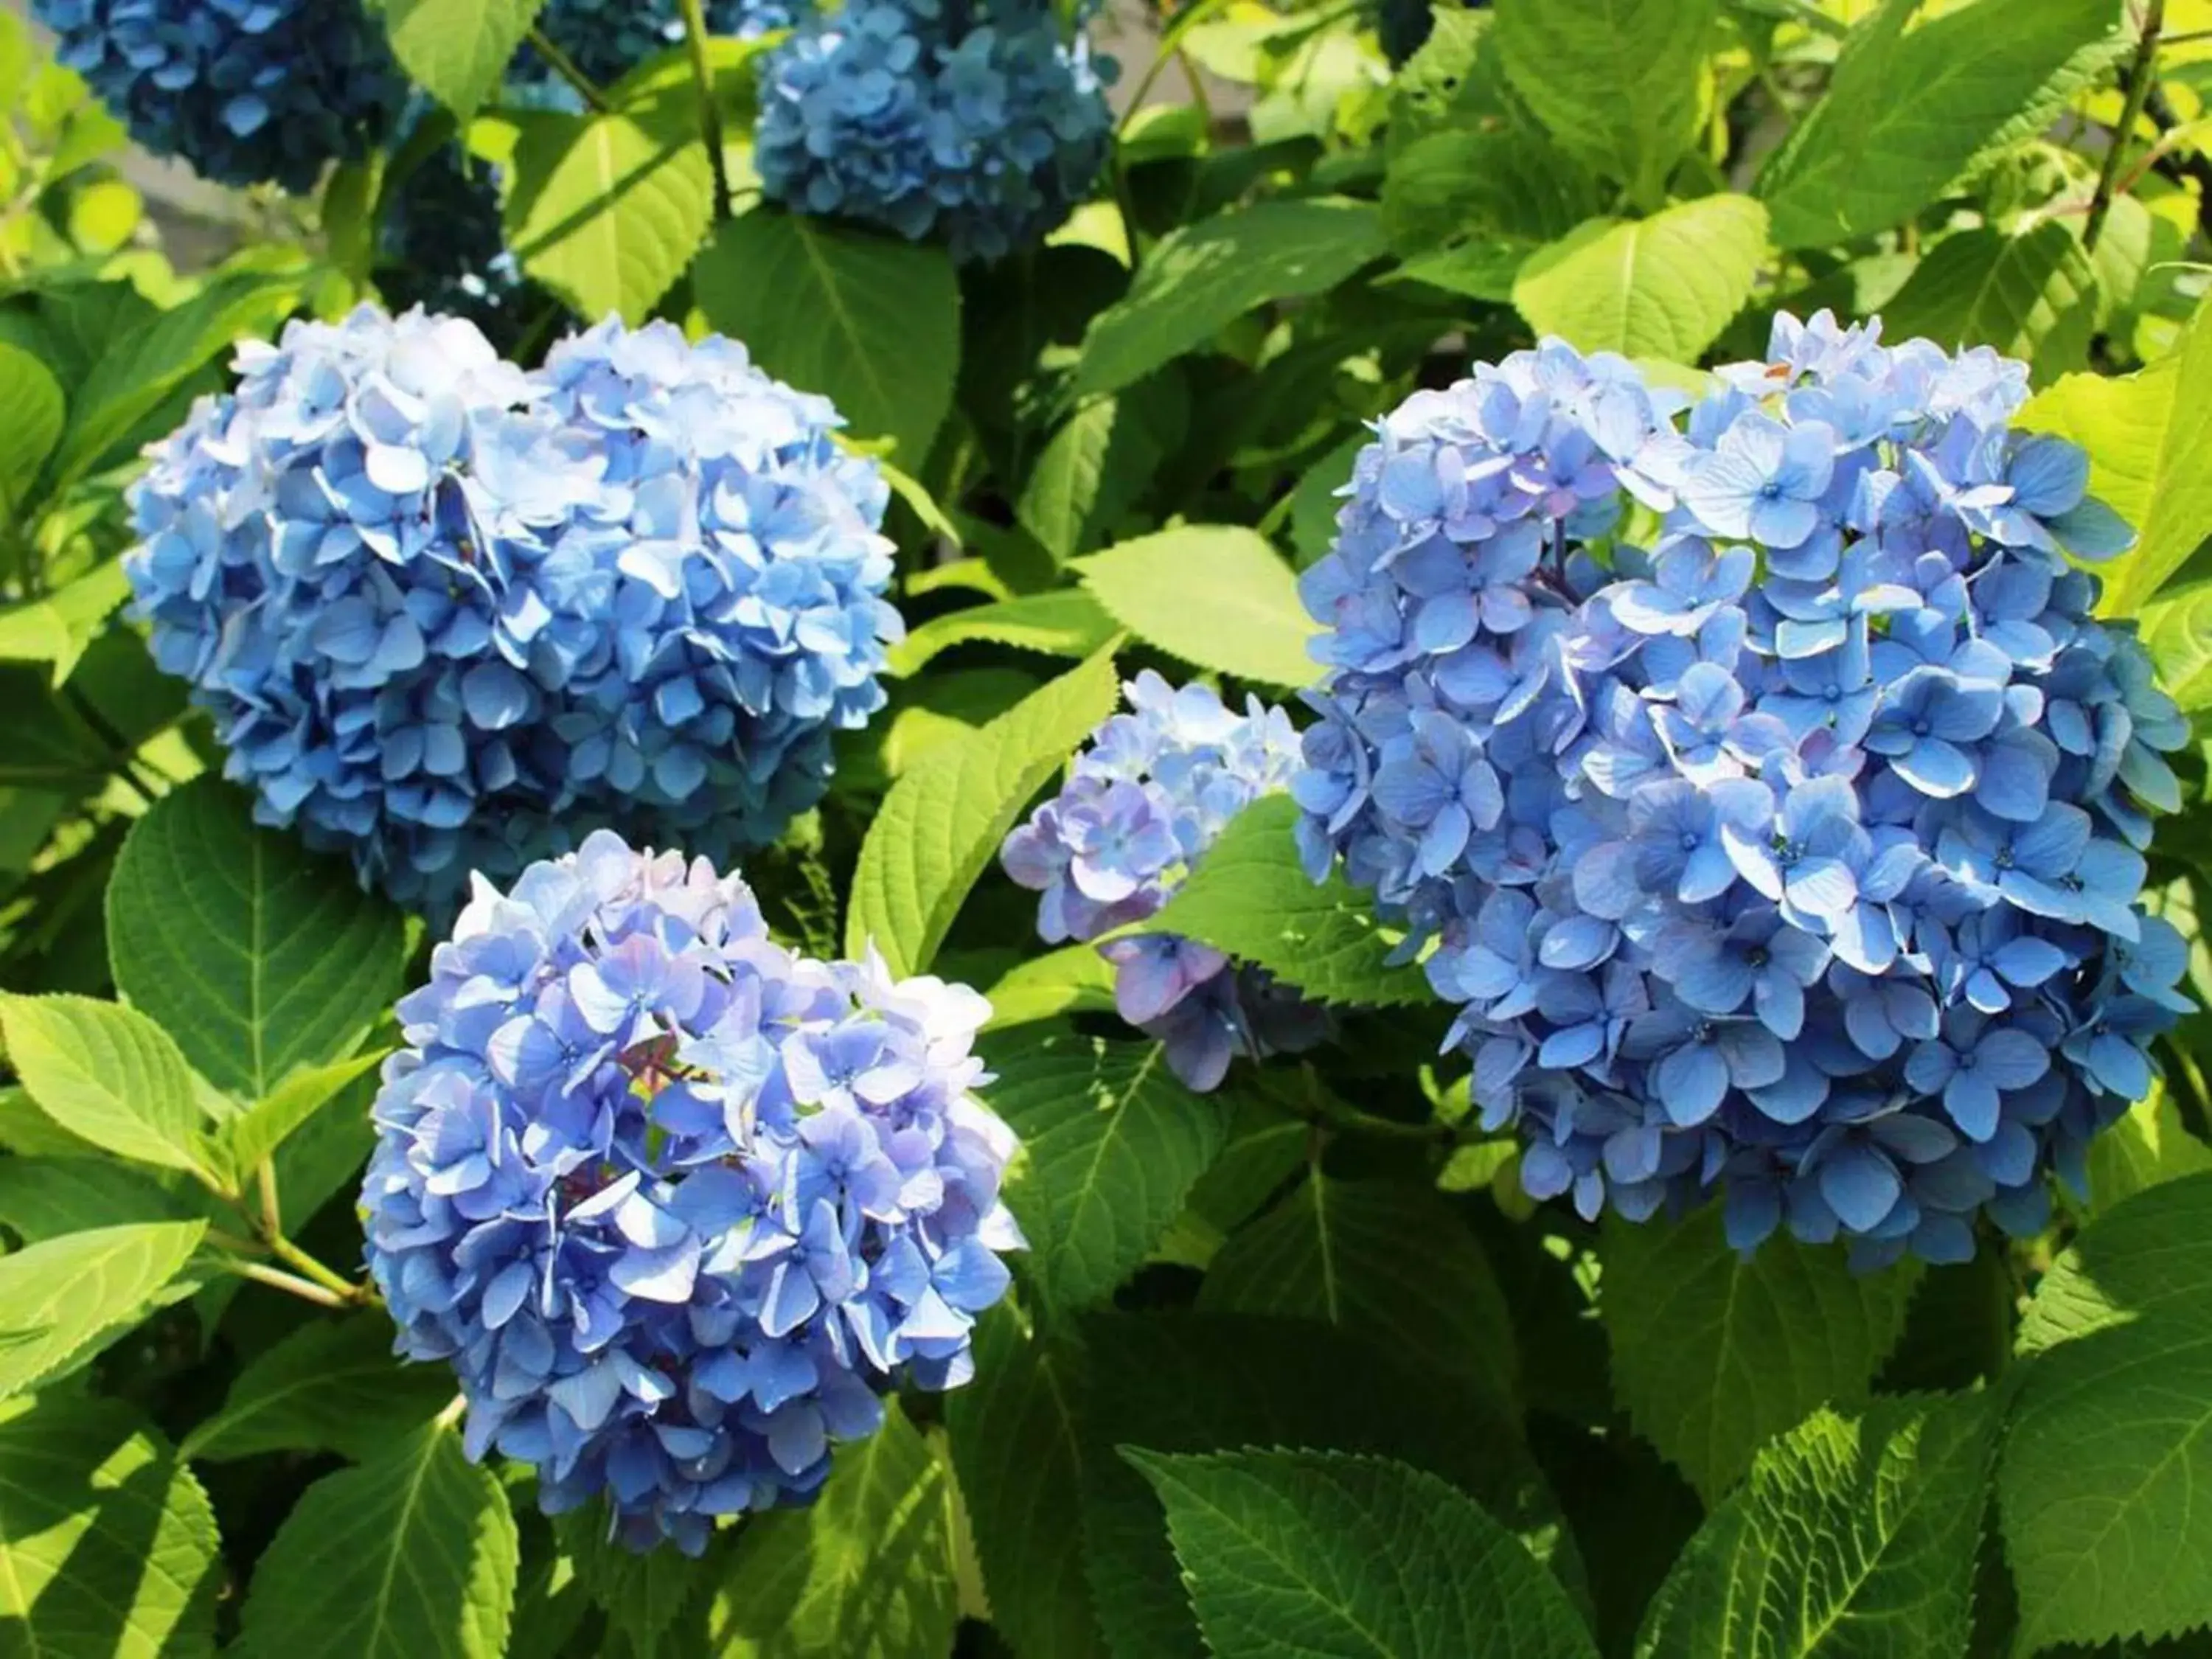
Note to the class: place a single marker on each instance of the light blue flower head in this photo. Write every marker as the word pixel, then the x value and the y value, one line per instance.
pixel 1774 800
pixel 973 121
pixel 248 91
pixel 678 1205
pixel 1144 800
pixel 449 616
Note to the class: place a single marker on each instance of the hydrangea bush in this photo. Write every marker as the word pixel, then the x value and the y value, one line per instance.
pixel 1789 845
pixel 811 841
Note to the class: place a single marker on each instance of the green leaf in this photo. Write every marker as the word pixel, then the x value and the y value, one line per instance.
pixel 2149 439
pixel 1661 287
pixel 1111 1144
pixel 1504 186
pixel 1381 1260
pixel 43 1198
pixel 1064 622
pixel 2176 630
pixel 1304 1551
pixel 1017 1448
pixel 253 1134
pixel 608 210
pixel 1714 1354
pixel 644 1596
pixel 259 956
pixel 870 322
pixel 864 1573
pixel 33 412
pixel 1073 979
pixel 139 368
pixel 943 820
pixel 1315 503
pixel 1215 595
pixel 410 1555
pixel 1856 1535
pixel 1204 277
pixel 2147 1147
pixel 1616 81
pixel 457 51
pixel 1908 114
pixel 109 1074
pixel 107 1545
pixel 2149 1256
pixel 1095 466
pixel 2034 297
pixel 1219 1382
pixel 2100 1490
pixel 63 1300
pixel 333 1385
pixel 1250 897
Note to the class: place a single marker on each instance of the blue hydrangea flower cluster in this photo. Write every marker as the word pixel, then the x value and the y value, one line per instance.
pixel 449 616
pixel 1147 796
pixel 677 1205
pixel 973 121
pixel 607 38
pixel 1773 801
pixel 248 91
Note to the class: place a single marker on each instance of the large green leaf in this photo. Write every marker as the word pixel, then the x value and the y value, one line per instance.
pixel 1215 595
pixel 107 1545
pixel 141 366
pixel 1661 287
pixel 943 820
pixel 333 1385
pixel 259 1130
pixel 607 209
pixel 1203 276
pixel 410 1555
pixel 2149 439
pixel 1306 1552
pixel 870 322
pixel 1910 112
pixel 1216 1381
pixel 259 956
pixel 1855 1536
pixel 865 1572
pixel 1018 1449
pixel 1616 81
pixel 1111 1144
pixel 457 51
pixel 109 1074
pixel 47 1197
pixel 62 1300
pixel 1383 1260
pixel 1098 462
pixel 1064 623
pixel 1465 185
pixel 2177 631
pixel 2033 296
pixel 1249 896
pixel 2149 1256
pixel 2147 1147
pixel 1715 1353
pixel 33 412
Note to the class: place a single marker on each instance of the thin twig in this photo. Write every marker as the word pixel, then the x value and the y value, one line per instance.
pixel 304 1289
pixel 565 66
pixel 710 112
pixel 2138 77
pixel 345 1289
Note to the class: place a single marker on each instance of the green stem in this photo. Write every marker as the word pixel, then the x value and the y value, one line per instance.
pixel 278 1279
pixel 565 66
pixel 2139 73
pixel 710 112
pixel 1168 51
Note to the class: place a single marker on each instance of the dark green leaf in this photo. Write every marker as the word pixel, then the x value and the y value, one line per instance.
pixel 1096 465
pixel 333 1385
pixel 2034 297
pixel 1616 81
pixel 33 412
pixel 43 1198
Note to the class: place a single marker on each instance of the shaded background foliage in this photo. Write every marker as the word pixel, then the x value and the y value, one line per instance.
pixel 1303 1331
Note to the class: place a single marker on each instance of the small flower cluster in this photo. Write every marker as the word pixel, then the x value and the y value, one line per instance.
pixel 449 616
pixel 1153 790
pixel 677 1205
pixel 970 120
pixel 248 91
pixel 1796 857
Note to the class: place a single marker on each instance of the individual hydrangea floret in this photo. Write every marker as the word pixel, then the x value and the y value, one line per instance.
pixel 1147 796
pixel 972 121
pixel 1774 802
pixel 449 616
pixel 678 1205
pixel 248 91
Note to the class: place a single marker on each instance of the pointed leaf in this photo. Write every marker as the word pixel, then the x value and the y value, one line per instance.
pixel 1616 81
pixel 411 1555
pixel 261 957
pixel 1066 622
pixel 63 1300
pixel 457 51
pixel 253 1134
pixel 108 1074
pixel 1218 596
pixel 607 209
pixel 1303 1551
pixel 333 1385
pixel 2034 297
pixel 1661 287
pixel 33 412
